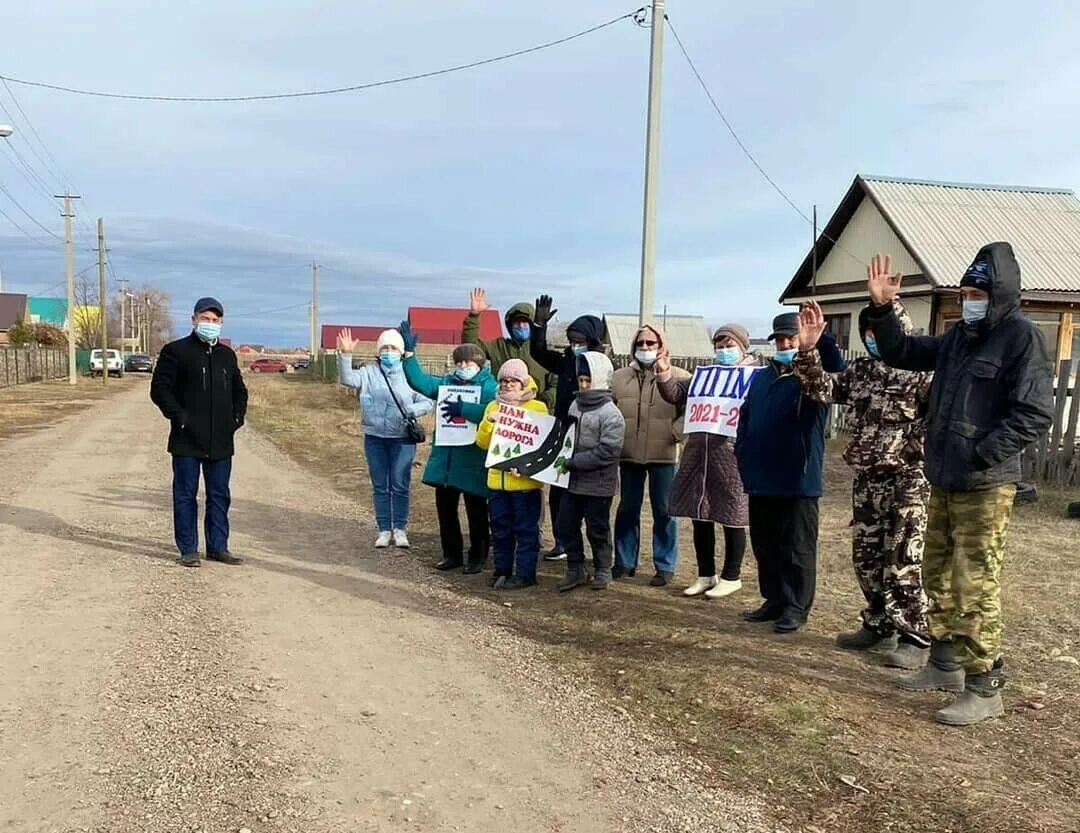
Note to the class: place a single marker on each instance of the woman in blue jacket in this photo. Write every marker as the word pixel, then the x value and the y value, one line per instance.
pixel 456 472
pixel 386 404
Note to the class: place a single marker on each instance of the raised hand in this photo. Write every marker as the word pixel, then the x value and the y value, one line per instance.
pixel 543 311
pixel 410 338
pixel 663 361
pixel 478 301
pixel 883 284
pixel 345 342
pixel 811 325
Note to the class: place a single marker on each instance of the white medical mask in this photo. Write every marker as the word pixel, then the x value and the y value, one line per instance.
pixel 785 356
pixel 727 355
pixel 207 332
pixel 974 311
pixel 645 357
pixel 467 373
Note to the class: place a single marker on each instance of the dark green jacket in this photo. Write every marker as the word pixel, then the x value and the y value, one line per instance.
pixel 461 467
pixel 500 350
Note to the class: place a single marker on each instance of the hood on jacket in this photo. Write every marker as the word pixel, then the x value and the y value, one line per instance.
pixel 598 367
pixel 591 327
pixel 523 310
pixel 999 260
pixel 906 324
pixel 660 336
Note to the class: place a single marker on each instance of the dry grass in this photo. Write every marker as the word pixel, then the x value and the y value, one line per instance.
pixel 28 407
pixel 792 717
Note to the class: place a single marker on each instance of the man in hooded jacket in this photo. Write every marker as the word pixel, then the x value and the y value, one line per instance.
pixel 584 334
pixel 517 345
pixel 990 398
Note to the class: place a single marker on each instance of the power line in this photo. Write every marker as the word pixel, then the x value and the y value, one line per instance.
pixel 29 216
pixel 742 145
pixel 41 243
pixel 28 173
pixel 330 91
pixel 58 171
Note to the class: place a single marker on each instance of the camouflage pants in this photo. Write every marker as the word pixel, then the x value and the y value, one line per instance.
pixel 965 545
pixel 887 541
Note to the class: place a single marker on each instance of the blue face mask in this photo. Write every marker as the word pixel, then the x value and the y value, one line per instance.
pixel 974 311
pixel 521 332
pixel 467 373
pixel 207 332
pixel 389 359
pixel 580 350
pixel 785 356
pixel 727 355
pixel 871 348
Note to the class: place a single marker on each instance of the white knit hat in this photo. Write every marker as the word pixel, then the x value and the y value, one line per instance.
pixel 390 338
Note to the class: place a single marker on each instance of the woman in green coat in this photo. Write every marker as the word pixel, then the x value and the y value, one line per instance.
pixel 456 472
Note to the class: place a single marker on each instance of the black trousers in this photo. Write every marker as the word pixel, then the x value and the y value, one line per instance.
pixel 783 534
pixel 595 512
pixel 555 496
pixel 705 550
pixel 447 500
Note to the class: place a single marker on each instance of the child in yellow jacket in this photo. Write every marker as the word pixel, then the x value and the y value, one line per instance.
pixel 516 502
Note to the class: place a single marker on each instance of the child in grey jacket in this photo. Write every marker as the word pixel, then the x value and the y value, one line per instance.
pixel 594 474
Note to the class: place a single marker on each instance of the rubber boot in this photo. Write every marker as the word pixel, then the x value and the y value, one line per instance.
pixel 908 656
pixel 941 673
pixel 865 639
pixel 980 701
pixel 575 577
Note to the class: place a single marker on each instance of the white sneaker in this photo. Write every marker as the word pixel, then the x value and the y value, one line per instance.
pixel 702 584
pixel 723 588
pixel 383 541
pixel 401 540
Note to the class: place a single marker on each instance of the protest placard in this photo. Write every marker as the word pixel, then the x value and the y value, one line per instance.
pixel 533 444
pixel 715 398
pixel 455 430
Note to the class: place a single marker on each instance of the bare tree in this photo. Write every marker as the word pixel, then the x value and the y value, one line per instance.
pixel 87 314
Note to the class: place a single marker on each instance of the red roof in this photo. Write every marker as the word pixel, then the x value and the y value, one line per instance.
pixel 361 332
pixel 442 325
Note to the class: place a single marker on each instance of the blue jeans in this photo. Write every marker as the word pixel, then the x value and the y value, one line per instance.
pixel 661 477
pixel 390 463
pixel 515 531
pixel 185 491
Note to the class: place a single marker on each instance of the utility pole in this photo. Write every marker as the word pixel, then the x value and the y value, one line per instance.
pixel 69 258
pixel 314 312
pixel 123 313
pixel 101 301
pixel 652 165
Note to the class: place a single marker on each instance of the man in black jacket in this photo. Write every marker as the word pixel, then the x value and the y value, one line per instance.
pixel 198 387
pixel 991 396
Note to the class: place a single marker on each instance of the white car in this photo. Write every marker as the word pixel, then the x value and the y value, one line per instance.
pixel 115 363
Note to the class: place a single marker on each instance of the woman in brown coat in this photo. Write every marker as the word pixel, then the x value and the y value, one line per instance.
pixel 707 486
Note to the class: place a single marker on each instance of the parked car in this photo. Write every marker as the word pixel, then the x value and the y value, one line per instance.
pixel 302 364
pixel 115 364
pixel 268 366
pixel 138 363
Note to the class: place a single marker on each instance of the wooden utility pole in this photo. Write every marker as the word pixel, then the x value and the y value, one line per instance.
pixel 123 314
pixel 314 312
pixel 69 258
pixel 101 301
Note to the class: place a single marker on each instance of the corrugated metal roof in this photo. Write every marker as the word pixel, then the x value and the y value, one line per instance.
pixel 945 224
pixel 12 309
pixel 687 336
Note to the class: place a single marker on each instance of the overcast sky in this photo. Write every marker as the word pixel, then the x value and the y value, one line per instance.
pixel 524 176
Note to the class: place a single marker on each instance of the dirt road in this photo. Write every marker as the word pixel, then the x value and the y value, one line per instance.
pixel 319 687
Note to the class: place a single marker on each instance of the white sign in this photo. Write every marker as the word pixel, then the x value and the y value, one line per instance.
pixel 455 430
pixel 715 398
pixel 533 444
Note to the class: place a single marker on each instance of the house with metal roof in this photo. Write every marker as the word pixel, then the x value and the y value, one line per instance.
pixel 687 336
pixel 933 231
pixel 12 310
pixel 48 311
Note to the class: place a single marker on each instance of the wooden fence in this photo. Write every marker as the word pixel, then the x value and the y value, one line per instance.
pixel 20 365
pixel 1055 457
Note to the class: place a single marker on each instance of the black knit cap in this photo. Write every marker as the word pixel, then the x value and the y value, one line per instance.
pixel 978 274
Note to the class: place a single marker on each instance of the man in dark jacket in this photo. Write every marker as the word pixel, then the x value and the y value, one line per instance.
pixel 780 448
pixel 198 387
pixel 518 322
pixel 584 334
pixel 990 398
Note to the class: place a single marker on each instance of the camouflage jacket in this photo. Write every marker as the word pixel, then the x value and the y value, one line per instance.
pixel 888 407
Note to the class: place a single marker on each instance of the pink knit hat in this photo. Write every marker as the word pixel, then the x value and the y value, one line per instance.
pixel 514 369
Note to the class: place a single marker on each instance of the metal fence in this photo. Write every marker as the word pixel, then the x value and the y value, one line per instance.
pixel 21 365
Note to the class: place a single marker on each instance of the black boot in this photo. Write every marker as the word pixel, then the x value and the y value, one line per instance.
pixel 941 673
pixel 447 564
pixel 980 701
pixel 766 613
pixel 865 639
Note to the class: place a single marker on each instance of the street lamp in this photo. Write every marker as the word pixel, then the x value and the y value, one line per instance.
pixel 6 130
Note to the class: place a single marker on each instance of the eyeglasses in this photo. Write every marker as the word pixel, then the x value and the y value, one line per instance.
pixel 644 343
